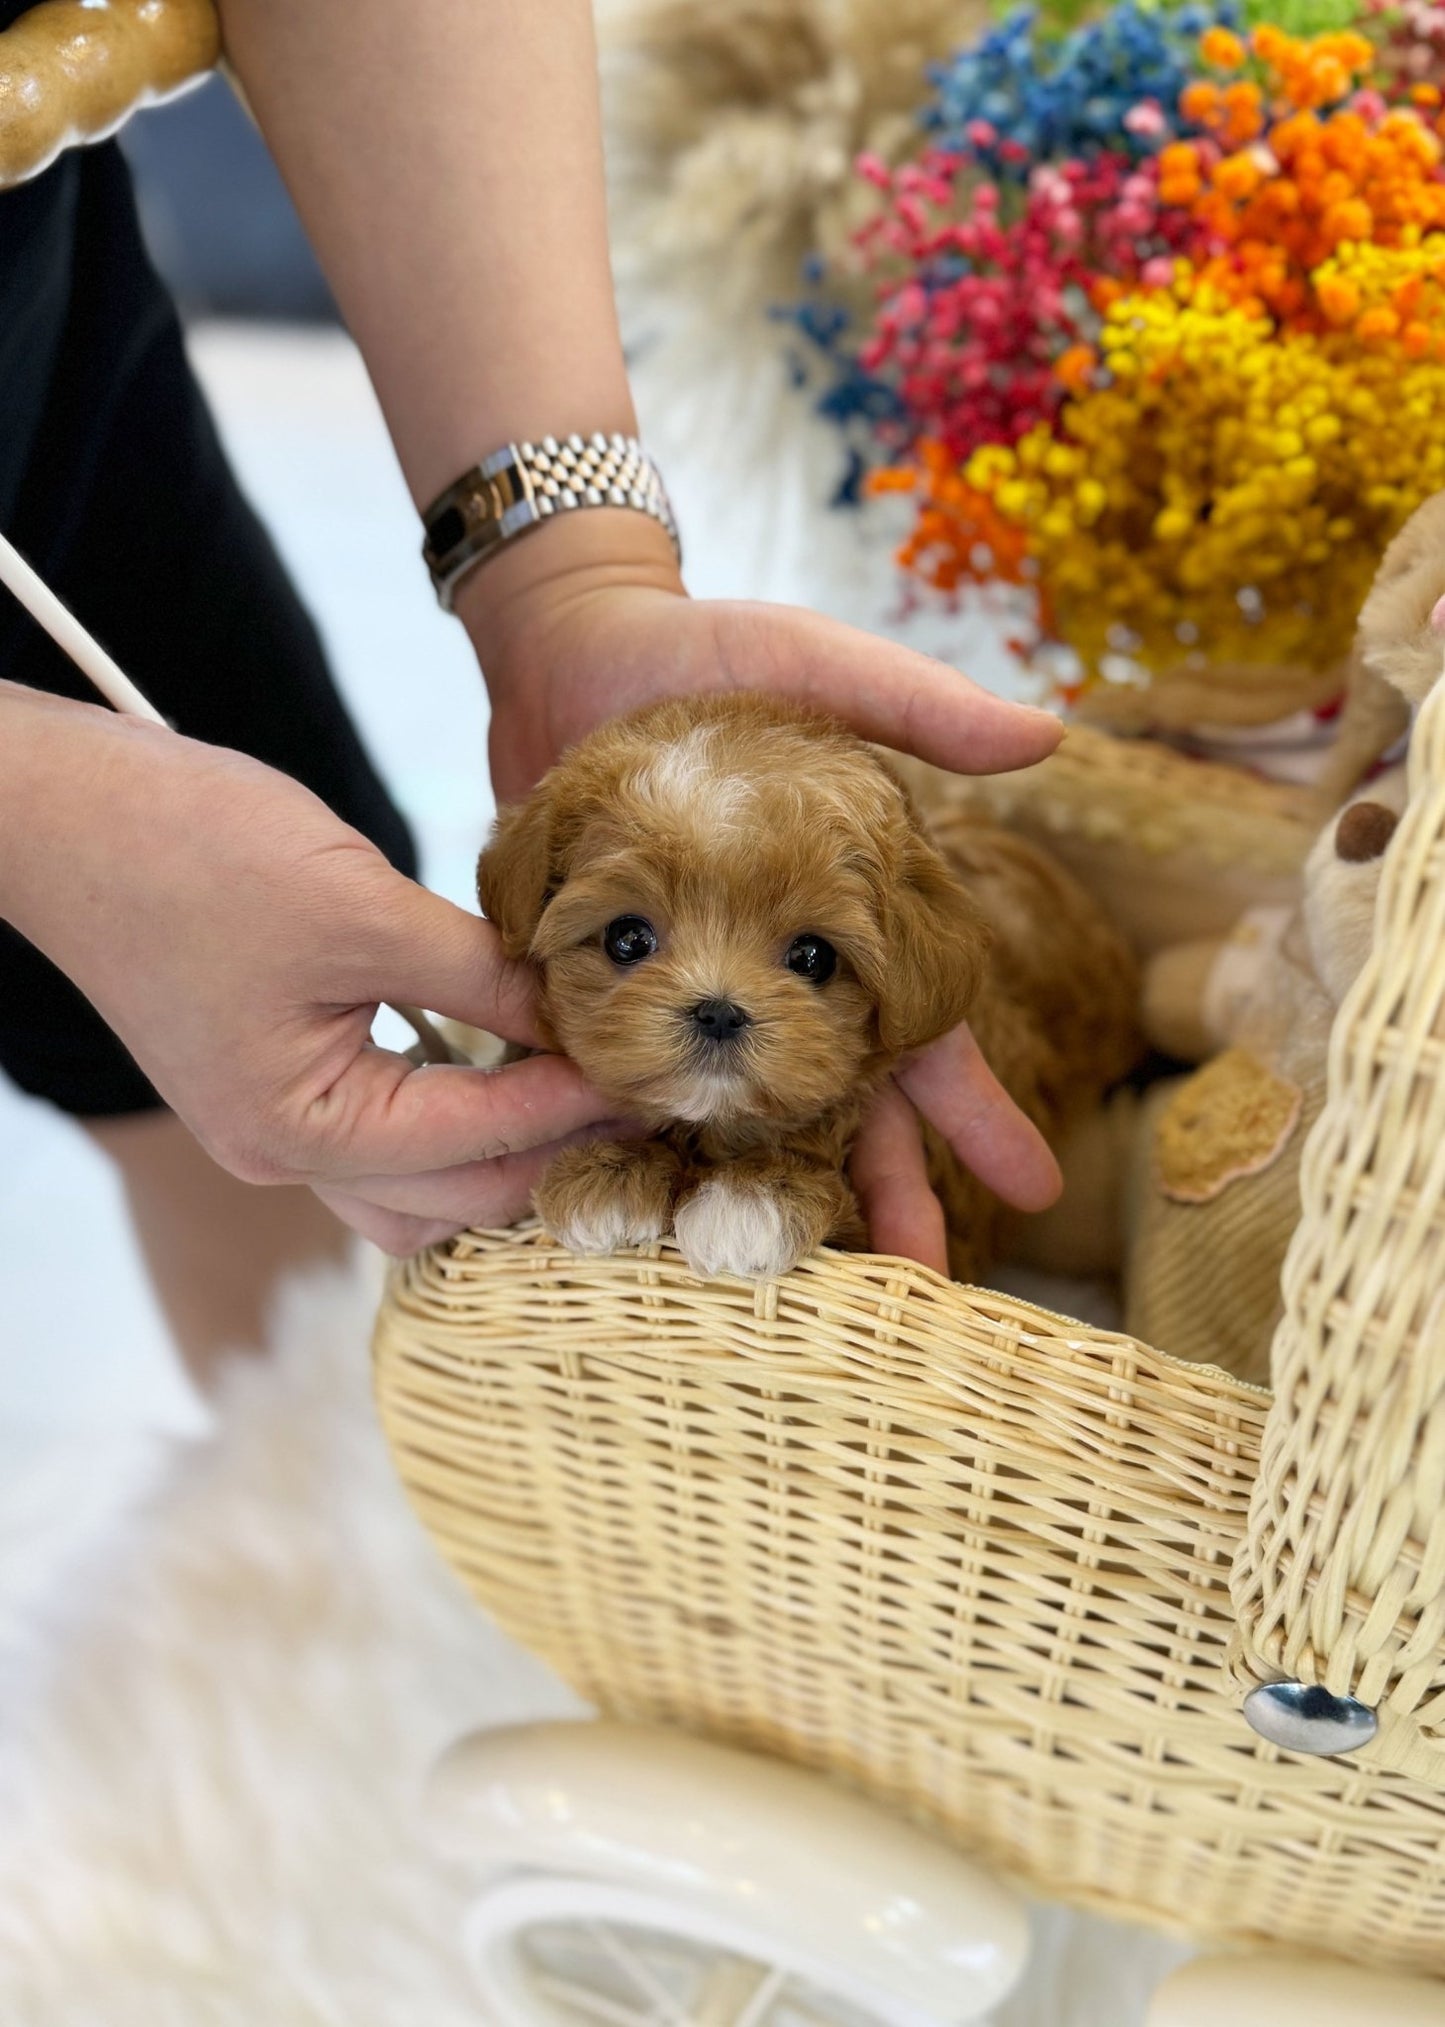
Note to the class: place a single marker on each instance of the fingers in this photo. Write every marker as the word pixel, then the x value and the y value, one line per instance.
pixel 383 1117
pixel 900 698
pixel 891 1178
pixel 953 1086
pixel 481 1193
pixel 392 1231
pixel 495 1192
pixel 449 962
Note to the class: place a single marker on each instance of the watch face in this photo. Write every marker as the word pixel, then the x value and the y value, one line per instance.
pixel 444 533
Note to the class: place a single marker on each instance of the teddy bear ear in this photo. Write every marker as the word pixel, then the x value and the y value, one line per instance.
pixel 517 870
pixel 935 945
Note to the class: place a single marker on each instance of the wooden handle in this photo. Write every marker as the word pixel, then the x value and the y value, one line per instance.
pixel 1341 1578
pixel 75 70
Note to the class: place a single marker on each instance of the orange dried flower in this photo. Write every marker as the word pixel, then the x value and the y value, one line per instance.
pixel 1243 114
pixel 1268 42
pixel 1338 298
pixel 1200 104
pixel 1238 177
pixel 1374 324
pixel 1075 367
pixel 1417 340
pixel 1222 48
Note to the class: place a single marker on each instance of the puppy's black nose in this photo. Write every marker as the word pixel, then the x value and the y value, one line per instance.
pixel 719 1019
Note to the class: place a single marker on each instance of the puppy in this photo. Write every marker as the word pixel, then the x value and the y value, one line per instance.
pixel 741 926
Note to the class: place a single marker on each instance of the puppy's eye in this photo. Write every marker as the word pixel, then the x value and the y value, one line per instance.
pixel 811 958
pixel 629 939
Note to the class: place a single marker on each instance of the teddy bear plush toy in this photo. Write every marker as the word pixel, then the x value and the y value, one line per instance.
pixel 1213 1197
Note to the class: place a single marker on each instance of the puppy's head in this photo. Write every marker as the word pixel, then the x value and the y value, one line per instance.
pixel 735 911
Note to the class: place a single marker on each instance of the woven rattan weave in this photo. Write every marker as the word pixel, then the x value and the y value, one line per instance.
pixel 1007 1573
pixel 970 1555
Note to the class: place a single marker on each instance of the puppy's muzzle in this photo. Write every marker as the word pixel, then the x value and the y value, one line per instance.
pixel 719 1020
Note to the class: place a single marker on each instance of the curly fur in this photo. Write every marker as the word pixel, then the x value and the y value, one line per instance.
pixel 1057 1019
pixel 731 826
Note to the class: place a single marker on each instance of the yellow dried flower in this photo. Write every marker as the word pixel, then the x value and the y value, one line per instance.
pixel 1240 482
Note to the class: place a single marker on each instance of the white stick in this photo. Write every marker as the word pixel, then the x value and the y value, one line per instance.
pixel 70 636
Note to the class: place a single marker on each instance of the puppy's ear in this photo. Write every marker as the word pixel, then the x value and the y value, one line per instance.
pixel 517 871
pixel 935 947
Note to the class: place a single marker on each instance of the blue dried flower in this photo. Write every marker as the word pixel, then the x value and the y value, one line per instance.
pixel 1023 94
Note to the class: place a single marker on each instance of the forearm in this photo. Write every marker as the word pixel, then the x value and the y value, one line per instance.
pixel 446 159
pixel 56 759
pixel 87 800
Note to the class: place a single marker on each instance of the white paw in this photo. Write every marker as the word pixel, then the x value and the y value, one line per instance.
pixel 731 1228
pixel 608 1228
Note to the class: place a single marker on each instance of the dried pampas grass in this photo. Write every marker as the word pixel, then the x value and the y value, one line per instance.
pixel 732 130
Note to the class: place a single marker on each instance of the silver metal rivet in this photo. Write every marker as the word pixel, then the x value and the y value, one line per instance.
pixel 616 497
pixel 1304 1718
pixel 592 497
pixel 544 505
pixel 575 443
pixel 567 497
pixel 524 450
pixel 549 444
pixel 635 499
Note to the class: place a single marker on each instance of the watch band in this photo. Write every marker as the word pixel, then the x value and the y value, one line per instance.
pixel 523 484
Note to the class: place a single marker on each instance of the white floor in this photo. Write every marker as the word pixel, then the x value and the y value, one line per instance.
pixel 81 1343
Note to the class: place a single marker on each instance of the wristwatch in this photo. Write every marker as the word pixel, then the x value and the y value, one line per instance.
pixel 523 484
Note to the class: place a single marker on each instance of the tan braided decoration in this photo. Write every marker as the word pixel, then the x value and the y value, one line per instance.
pixel 75 70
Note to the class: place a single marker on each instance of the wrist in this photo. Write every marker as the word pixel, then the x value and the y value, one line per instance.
pixel 509 604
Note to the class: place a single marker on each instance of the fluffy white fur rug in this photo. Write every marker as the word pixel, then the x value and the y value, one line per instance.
pixel 224 1671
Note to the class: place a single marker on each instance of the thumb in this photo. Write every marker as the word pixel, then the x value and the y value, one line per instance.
pixel 903 699
pixel 385 1118
pixel 436 955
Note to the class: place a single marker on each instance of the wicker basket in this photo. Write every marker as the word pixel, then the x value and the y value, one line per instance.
pixel 1005 1572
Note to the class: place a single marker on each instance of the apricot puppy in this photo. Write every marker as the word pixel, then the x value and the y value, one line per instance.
pixel 740 926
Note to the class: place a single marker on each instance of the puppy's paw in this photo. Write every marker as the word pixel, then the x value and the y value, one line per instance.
pixel 609 1194
pixel 733 1226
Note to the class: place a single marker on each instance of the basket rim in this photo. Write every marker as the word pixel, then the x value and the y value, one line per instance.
pixel 530 1235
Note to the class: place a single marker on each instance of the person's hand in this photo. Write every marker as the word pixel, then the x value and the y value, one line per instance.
pixel 238 937
pixel 952 1085
pixel 590 618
